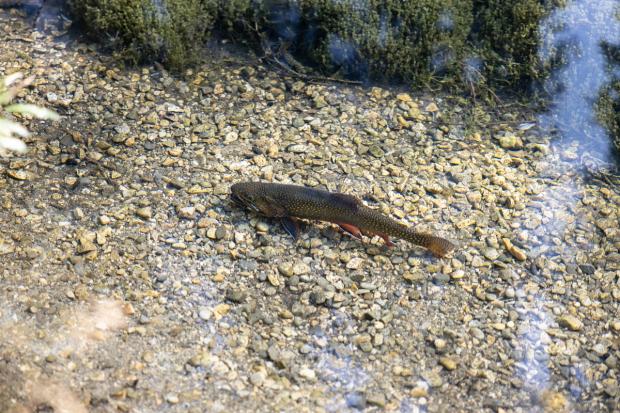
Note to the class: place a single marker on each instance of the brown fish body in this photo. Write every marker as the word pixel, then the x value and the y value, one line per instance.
pixel 293 201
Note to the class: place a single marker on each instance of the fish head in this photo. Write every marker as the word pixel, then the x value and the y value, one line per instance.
pixel 245 194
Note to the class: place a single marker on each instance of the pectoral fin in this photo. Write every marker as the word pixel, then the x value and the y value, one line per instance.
pixel 291 226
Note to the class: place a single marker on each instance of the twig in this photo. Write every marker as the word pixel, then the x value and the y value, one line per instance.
pixel 309 78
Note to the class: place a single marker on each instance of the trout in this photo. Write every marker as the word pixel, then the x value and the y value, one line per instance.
pixel 290 202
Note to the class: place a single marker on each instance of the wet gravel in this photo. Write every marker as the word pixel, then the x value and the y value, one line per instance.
pixel 129 282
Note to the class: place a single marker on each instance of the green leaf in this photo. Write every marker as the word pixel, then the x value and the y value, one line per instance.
pixel 10 79
pixel 8 128
pixel 7 96
pixel 34 110
pixel 12 144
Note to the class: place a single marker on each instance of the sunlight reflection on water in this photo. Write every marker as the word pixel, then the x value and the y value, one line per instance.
pixel 573 35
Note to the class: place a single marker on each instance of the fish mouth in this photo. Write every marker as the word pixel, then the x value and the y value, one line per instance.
pixel 243 201
pixel 237 200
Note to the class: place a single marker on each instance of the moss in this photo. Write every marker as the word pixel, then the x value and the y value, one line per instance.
pixel 388 39
pixel 170 31
pixel 234 14
pixel 506 35
pixel 452 40
pixel 465 41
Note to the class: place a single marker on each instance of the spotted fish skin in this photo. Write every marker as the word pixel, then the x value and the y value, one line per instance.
pixel 293 201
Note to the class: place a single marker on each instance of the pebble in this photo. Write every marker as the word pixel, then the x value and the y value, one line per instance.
pixel 172 398
pixel 510 141
pixel 286 269
pixel 448 363
pixel 419 391
pixel 307 374
pixel 145 213
pixel 490 253
pixel 376 399
pixel 570 322
pixel 204 313
pixel 356 400
pixel 186 212
pixel 324 323
pixel 300 268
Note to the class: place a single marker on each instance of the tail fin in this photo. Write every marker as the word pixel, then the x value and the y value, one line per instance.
pixel 440 247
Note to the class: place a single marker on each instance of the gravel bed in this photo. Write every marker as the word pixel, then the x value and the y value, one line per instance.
pixel 129 282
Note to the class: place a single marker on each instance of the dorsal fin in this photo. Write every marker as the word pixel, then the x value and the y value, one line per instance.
pixel 349 201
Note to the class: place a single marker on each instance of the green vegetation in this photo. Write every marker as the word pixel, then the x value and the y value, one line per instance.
pixel 505 33
pixel 467 41
pixel 169 31
pixel 608 112
pixel 391 39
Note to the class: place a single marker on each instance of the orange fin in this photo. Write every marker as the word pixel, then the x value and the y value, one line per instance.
pixel 351 229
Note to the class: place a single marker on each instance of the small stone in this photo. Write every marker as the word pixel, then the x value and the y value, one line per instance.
pixel 376 151
pixel 258 378
pixel 441 278
pixel 440 343
pixel 104 220
pixel 510 141
pixel 448 363
pixel 221 310
pixel 431 107
pixel 355 263
pixel 355 400
pixel 81 292
pixel 221 232
pixel 571 322
pixel 319 102
pixel 144 213
pixel 414 277
pixel 553 401
pixel 600 349
pixel 187 212
pixel 286 269
pixel 307 373
pixel 432 378
pixel 297 148
pixel 235 295
pixel 211 233
pixel 273 279
pixel 172 398
pixel 364 342
pixel 20 175
pixel 85 245
pixel 262 227
pixel 204 313
pixel 376 399
pixel 419 391
pixel 490 254
pixel 611 388
pixel 300 268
